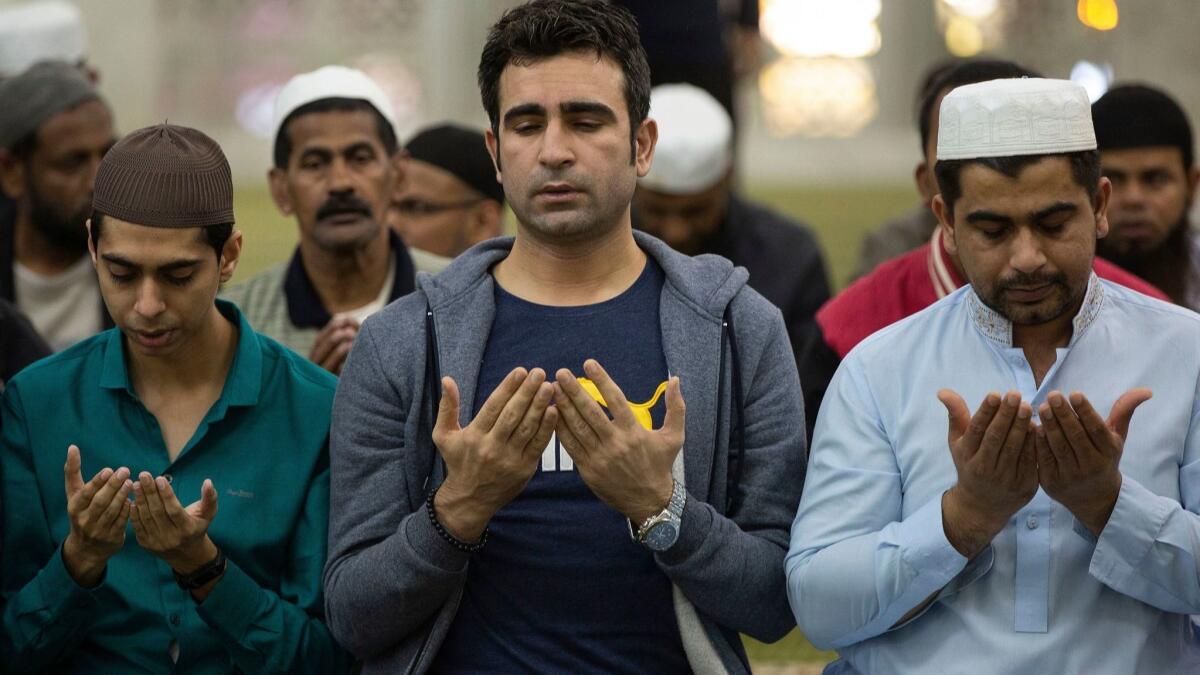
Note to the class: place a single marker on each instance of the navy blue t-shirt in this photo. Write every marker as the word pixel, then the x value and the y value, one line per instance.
pixel 560 586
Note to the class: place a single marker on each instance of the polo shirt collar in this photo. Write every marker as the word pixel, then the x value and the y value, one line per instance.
pixel 304 306
pixel 243 384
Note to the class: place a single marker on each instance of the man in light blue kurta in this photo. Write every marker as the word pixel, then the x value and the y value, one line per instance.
pixel 877 569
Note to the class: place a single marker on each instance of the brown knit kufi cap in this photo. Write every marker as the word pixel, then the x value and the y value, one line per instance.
pixel 165 176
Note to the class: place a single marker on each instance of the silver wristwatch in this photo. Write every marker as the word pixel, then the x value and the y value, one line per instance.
pixel 660 532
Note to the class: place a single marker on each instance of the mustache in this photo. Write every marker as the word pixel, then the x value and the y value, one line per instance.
pixel 542 178
pixel 1022 280
pixel 344 204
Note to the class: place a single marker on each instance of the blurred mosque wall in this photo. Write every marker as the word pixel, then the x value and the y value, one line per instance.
pixel 216 64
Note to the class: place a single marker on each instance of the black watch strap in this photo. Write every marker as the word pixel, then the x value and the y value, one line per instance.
pixel 209 571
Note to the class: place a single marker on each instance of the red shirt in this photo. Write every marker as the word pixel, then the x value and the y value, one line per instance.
pixel 909 283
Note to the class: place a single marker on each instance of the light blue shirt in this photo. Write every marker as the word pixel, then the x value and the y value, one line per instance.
pixel 1046 596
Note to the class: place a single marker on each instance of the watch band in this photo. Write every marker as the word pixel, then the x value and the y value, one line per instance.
pixel 674 511
pixel 207 572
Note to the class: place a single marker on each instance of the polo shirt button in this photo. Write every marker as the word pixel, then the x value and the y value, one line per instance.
pixel 1032 522
pixel 168 477
pixel 175 620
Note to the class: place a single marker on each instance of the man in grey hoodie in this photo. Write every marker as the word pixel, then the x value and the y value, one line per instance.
pixel 516 485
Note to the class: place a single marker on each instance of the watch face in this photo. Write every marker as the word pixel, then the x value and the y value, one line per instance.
pixel 662 535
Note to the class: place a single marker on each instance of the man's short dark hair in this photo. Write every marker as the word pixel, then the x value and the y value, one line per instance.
pixel 545 28
pixel 951 75
pixel 215 235
pixel 283 140
pixel 1085 169
pixel 1140 116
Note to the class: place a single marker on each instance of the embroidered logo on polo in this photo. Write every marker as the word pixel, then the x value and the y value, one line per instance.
pixel 556 458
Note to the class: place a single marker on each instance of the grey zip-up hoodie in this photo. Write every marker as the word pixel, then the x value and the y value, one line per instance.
pixel 392 584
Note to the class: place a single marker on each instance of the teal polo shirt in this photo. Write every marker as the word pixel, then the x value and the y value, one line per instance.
pixel 264 444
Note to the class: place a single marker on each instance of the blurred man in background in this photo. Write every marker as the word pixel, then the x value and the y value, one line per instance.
pixel 687 200
pixel 337 165
pixel 449 197
pixel 54 129
pixel 1146 151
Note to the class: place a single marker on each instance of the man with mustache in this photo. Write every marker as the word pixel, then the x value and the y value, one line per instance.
pixel 1145 143
pixel 1055 528
pixel 337 166
pixel 516 485
pixel 54 129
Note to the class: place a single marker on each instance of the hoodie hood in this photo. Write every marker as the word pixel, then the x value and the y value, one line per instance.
pixel 706 282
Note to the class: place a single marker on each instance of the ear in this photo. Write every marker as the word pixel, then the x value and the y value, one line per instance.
pixel 946 222
pixel 230 255
pixel 1103 194
pixel 487 220
pixel 277 181
pixel 91 242
pixel 12 175
pixel 1193 177
pixel 493 147
pixel 645 140
pixel 922 178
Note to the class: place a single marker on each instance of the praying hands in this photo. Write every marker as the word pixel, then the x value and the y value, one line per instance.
pixel 1079 452
pixel 98 511
pixel 173 533
pixel 626 465
pixel 1002 457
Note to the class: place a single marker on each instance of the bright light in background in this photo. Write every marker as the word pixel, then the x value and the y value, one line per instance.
pixel 1098 14
pixel 974 9
pixel 964 38
pixel 970 26
pixel 1094 77
pixel 818 97
pixel 816 28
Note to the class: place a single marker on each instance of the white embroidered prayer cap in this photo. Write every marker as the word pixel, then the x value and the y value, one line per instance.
pixel 695 140
pixel 1009 117
pixel 46 30
pixel 329 82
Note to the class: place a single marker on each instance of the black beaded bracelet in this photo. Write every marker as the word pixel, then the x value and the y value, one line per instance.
pixel 445 534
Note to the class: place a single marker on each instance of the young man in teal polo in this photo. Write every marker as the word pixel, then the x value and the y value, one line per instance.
pixel 103 568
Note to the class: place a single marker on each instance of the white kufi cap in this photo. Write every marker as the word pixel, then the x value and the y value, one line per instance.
pixel 48 30
pixel 1009 117
pixel 695 140
pixel 329 82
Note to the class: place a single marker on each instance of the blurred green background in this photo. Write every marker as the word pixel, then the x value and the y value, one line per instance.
pixel 840 217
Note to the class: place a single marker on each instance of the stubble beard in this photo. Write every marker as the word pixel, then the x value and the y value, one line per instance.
pixel 595 218
pixel 1062 300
